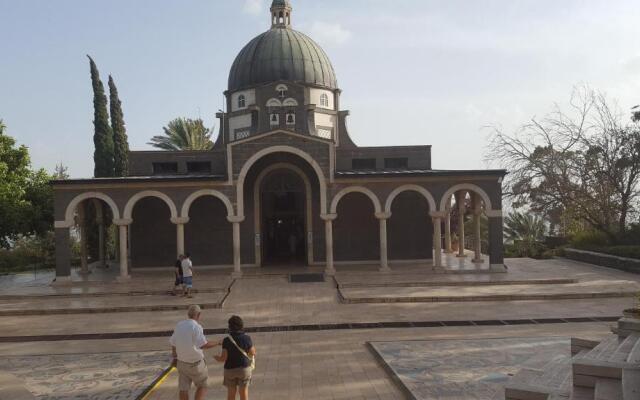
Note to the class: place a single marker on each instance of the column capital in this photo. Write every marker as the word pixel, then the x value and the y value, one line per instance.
pixel 438 214
pixel 494 213
pixel 383 215
pixel 235 219
pixel 122 221
pixel 180 220
pixel 62 224
pixel 328 217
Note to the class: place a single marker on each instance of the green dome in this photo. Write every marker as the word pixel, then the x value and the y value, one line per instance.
pixel 281 54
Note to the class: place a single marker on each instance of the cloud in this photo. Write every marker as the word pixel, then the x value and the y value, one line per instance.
pixel 253 7
pixel 329 33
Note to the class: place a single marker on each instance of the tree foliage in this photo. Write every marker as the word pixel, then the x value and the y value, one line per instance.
pixel 584 163
pixel 103 135
pixel 120 141
pixel 184 134
pixel 26 199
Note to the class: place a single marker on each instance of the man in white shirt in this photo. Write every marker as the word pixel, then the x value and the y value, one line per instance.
pixel 187 275
pixel 187 343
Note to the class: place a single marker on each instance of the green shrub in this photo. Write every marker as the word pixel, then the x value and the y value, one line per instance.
pixel 589 239
pixel 28 252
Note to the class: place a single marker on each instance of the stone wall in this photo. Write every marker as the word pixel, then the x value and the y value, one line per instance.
pixel 605 260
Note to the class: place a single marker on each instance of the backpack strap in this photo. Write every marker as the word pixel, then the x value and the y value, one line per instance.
pixel 244 353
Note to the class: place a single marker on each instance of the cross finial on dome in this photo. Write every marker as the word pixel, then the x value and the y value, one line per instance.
pixel 281 14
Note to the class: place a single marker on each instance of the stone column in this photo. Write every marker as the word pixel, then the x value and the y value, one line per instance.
pixel 496 244
pixel 123 226
pixel 63 252
pixel 460 204
pixel 477 213
pixel 447 228
pixel 82 225
pixel 237 270
pixel 180 223
pixel 384 262
pixel 97 204
pixel 437 238
pixel 328 235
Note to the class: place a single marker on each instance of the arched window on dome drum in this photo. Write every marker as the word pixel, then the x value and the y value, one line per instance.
pixel 242 101
pixel 324 100
pixel 291 118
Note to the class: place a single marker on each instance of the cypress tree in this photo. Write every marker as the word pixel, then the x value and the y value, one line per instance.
pixel 103 136
pixel 120 143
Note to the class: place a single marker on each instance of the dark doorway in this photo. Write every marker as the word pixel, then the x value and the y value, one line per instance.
pixel 283 218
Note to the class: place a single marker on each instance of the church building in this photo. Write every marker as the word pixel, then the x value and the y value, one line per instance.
pixel 285 185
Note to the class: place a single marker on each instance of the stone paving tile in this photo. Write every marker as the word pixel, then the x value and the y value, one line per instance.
pixel 106 304
pixel 609 288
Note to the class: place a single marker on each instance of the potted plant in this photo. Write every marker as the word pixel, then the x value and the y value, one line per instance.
pixel 633 312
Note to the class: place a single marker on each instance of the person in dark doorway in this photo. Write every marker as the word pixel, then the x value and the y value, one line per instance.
pixel 293 244
pixel 238 355
pixel 177 286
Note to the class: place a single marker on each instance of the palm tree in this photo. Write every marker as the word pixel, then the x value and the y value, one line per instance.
pixel 526 231
pixel 183 134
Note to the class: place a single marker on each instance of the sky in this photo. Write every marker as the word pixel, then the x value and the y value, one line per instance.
pixel 411 71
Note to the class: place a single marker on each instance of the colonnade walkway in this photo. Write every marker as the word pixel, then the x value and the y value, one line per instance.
pixel 311 343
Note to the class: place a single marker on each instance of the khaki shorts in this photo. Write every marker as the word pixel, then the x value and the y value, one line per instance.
pixel 237 377
pixel 192 372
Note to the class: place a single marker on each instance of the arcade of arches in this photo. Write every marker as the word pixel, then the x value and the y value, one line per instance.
pixel 284 220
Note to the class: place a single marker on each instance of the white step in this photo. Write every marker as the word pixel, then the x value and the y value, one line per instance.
pixel 608 389
pixel 624 350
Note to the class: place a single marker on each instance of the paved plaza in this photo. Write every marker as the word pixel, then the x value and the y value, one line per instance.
pixel 311 343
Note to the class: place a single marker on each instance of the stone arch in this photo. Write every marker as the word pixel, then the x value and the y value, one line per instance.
pixel 128 208
pixel 257 223
pixel 415 188
pixel 352 189
pixel 466 186
pixel 71 208
pixel 273 102
pixel 279 149
pixel 206 192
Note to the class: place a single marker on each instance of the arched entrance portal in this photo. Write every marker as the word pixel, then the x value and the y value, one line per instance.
pixel 283 216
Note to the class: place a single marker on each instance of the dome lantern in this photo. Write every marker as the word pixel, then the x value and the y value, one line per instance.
pixel 281 14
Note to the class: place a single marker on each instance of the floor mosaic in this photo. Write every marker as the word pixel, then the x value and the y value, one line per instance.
pixel 107 376
pixel 465 369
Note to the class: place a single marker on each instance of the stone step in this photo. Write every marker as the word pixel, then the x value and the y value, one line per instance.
pixel 532 384
pixel 630 384
pixel 587 371
pixel 578 345
pixel 582 393
pixel 634 355
pixel 11 388
pixel 608 389
pixel 603 350
pixel 624 349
